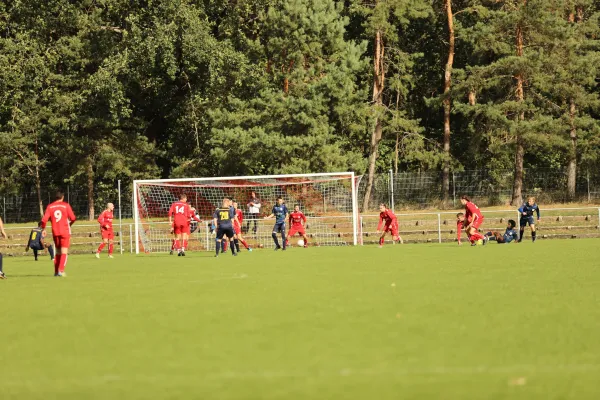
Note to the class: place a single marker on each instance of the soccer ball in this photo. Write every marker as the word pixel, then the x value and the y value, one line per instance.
pixel 260 246
pixel 300 242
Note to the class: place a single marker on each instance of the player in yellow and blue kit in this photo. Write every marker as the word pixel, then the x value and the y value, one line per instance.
pixel 280 213
pixel 527 210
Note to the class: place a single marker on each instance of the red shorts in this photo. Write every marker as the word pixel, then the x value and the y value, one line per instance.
pixel 62 241
pixel 477 223
pixel 237 229
pixel 393 228
pixel 178 229
pixel 297 229
pixel 107 234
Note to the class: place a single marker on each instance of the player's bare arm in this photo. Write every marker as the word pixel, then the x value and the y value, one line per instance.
pixel 2 231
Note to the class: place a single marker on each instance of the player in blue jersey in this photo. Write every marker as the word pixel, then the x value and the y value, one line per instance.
pixel 279 212
pixel 223 220
pixel 527 210
pixel 37 242
pixel 509 235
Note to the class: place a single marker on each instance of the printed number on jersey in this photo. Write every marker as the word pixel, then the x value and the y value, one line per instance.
pixel 179 210
pixel 57 215
pixel 224 214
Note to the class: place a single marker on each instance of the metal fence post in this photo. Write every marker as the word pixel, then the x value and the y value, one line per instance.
pixel 588 187
pixel 392 189
pixel 453 189
pixel 362 242
pixel 439 228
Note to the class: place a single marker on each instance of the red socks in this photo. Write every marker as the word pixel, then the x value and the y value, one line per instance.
pixel 381 240
pixel 245 244
pixel 56 262
pixel 172 244
pixel 476 236
pixel 111 247
pixel 185 243
pixel 177 246
pixel 101 247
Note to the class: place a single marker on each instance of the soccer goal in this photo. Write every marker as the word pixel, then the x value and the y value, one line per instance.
pixel 327 199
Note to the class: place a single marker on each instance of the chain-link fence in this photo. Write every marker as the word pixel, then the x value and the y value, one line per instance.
pixel 24 206
pixel 488 187
pixel 402 190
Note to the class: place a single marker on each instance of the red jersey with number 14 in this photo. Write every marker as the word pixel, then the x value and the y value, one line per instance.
pixel 60 214
pixel 106 219
pixel 181 211
pixel 297 218
pixel 388 217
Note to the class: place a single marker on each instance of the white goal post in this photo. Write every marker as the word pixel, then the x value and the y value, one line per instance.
pixel 329 201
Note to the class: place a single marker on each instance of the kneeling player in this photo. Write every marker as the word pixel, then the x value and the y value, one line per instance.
pixel 297 221
pixel 391 225
pixel 37 242
pixel 223 220
pixel 460 225
pixel 509 235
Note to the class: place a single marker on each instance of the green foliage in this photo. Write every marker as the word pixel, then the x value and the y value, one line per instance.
pixel 196 88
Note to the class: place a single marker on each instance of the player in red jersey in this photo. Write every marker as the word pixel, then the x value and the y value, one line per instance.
pixel 237 228
pixel 391 224
pixel 61 217
pixel 3 233
pixel 297 221
pixel 460 225
pixel 106 230
pixel 192 217
pixel 179 217
pixel 474 220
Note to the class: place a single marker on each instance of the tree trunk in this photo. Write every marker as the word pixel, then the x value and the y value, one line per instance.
pixel 38 185
pixel 572 166
pixel 447 102
pixel 517 196
pixel 90 185
pixel 378 85
pixel 472 97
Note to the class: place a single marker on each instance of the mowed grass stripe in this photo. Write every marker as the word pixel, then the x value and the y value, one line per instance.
pixel 412 321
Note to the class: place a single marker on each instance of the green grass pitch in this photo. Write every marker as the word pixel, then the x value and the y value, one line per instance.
pixel 403 322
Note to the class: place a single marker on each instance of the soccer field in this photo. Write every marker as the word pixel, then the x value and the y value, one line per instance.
pixel 403 322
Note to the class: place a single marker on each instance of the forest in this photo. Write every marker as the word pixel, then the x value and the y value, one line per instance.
pixel 94 91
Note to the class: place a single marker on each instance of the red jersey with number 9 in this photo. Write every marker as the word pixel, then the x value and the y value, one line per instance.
pixel 181 211
pixel 61 216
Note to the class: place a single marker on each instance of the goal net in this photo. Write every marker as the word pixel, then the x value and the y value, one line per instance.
pixel 328 200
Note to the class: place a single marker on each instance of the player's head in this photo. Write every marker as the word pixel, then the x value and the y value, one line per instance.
pixel 235 205
pixel 460 217
pixel 531 200
pixel 225 202
pixel 382 207
pixel 183 197
pixel 59 196
pixel 40 224
pixel 464 199
pixel 280 200
pixel 110 206
pixel 511 224
pixel 253 194
pixel 297 208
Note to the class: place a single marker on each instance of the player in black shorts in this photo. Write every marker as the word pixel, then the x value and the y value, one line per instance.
pixel 223 220
pixel 37 243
